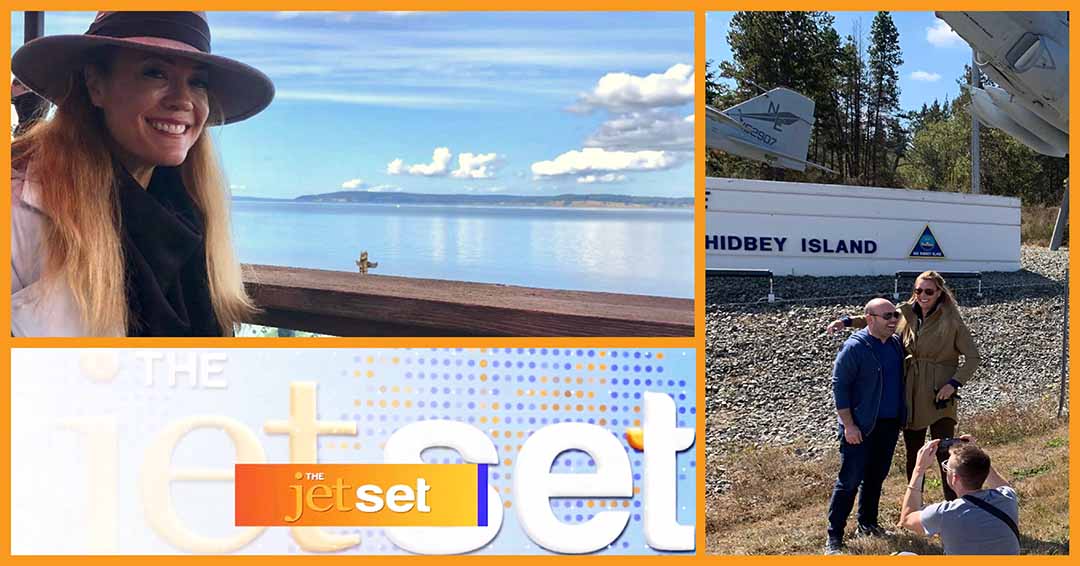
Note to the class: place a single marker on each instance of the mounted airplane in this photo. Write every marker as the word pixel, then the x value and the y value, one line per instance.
pixel 773 128
pixel 1027 55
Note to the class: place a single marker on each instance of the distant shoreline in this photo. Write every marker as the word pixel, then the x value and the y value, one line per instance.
pixel 556 201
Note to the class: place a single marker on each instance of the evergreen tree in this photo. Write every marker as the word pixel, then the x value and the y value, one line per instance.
pixel 883 102
pixel 860 129
pixel 851 92
pixel 939 157
pixel 797 50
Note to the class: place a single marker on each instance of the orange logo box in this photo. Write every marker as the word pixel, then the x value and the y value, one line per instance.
pixel 361 495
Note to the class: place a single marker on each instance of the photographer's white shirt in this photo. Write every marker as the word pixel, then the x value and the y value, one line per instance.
pixel 968 529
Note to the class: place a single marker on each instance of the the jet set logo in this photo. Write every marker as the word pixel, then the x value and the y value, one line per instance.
pixel 361 495
pixel 406 492
pixel 421 451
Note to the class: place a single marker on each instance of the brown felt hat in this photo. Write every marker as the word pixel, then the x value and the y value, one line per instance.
pixel 239 91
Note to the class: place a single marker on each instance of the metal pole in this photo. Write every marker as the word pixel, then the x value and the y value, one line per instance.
pixel 33 25
pixel 1062 219
pixel 1064 346
pixel 975 168
pixel 30 107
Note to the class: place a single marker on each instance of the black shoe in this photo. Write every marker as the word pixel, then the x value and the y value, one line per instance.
pixel 874 530
pixel 834 546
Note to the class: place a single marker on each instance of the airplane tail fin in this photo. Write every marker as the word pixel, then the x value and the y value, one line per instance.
pixel 781 116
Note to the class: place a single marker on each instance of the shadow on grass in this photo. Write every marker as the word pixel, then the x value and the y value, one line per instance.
pixel 1030 545
pixel 775 498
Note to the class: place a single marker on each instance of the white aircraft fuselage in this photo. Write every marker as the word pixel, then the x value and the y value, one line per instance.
pixel 1027 55
pixel 772 128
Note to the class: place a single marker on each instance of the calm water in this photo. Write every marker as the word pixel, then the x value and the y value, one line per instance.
pixel 625 251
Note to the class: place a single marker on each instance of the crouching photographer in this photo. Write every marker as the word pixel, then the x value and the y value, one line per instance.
pixel 982 519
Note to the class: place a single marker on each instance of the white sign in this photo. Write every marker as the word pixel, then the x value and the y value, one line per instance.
pixel 814 229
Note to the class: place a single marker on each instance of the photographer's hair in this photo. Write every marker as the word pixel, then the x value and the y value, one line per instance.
pixel 970 464
pixel 73 167
pixel 947 297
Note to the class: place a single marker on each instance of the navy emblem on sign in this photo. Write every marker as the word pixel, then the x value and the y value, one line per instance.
pixel 926 245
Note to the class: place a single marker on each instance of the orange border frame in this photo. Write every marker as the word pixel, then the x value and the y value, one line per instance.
pixel 699 7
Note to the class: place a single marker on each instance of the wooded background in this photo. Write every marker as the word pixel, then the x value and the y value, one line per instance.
pixel 860 129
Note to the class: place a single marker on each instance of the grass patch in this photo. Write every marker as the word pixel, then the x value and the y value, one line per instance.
pixel 777 497
pixel 1024 473
pixel 1037 225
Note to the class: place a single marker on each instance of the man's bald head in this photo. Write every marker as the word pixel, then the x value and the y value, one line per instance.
pixel 876 323
pixel 879 306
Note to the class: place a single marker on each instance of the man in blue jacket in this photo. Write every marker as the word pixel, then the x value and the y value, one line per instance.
pixel 868 385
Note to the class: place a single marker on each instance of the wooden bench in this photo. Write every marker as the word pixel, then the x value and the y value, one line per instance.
pixel 349 304
pixel 746 273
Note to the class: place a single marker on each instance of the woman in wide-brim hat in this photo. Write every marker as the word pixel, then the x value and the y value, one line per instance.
pixel 120 221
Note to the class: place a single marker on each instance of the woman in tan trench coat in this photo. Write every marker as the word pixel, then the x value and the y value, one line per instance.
pixel 935 341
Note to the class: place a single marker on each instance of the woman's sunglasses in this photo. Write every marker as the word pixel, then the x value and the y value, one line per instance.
pixel 888 315
pixel 927 292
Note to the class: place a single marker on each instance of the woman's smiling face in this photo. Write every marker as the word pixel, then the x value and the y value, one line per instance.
pixel 155 107
pixel 927 293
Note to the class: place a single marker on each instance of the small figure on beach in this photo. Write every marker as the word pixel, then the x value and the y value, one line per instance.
pixel 364 264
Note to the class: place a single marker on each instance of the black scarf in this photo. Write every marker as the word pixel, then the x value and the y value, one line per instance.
pixel 919 313
pixel 162 236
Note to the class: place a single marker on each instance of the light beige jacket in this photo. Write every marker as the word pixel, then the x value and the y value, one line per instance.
pixel 933 350
pixel 35 309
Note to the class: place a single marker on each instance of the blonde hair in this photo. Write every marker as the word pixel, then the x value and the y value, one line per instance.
pixel 74 170
pixel 947 299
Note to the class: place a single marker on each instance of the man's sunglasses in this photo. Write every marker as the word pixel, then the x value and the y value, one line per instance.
pixel 927 292
pixel 888 315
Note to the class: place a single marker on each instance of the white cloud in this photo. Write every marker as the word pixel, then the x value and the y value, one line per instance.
pixel 645 130
pixel 398 100
pixel 282 37
pixel 440 161
pixel 925 76
pixel 384 189
pixel 470 165
pixel 594 159
pixel 330 16
pixel 941 35
pixel 476 165
pixel 237 187
pixel 352 184
pixel 621 92
pixel 608 178
pixel 512 54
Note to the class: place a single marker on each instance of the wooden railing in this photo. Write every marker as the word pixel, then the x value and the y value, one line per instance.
pixel 348 304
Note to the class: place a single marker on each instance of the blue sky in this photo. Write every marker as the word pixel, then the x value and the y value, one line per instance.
pixel 457 102
pixel 934 56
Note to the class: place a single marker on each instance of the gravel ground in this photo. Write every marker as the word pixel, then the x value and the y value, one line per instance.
pixel 768 366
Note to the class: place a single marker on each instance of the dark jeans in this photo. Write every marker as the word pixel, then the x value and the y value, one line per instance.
pixel 914 440
pixel 864 465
